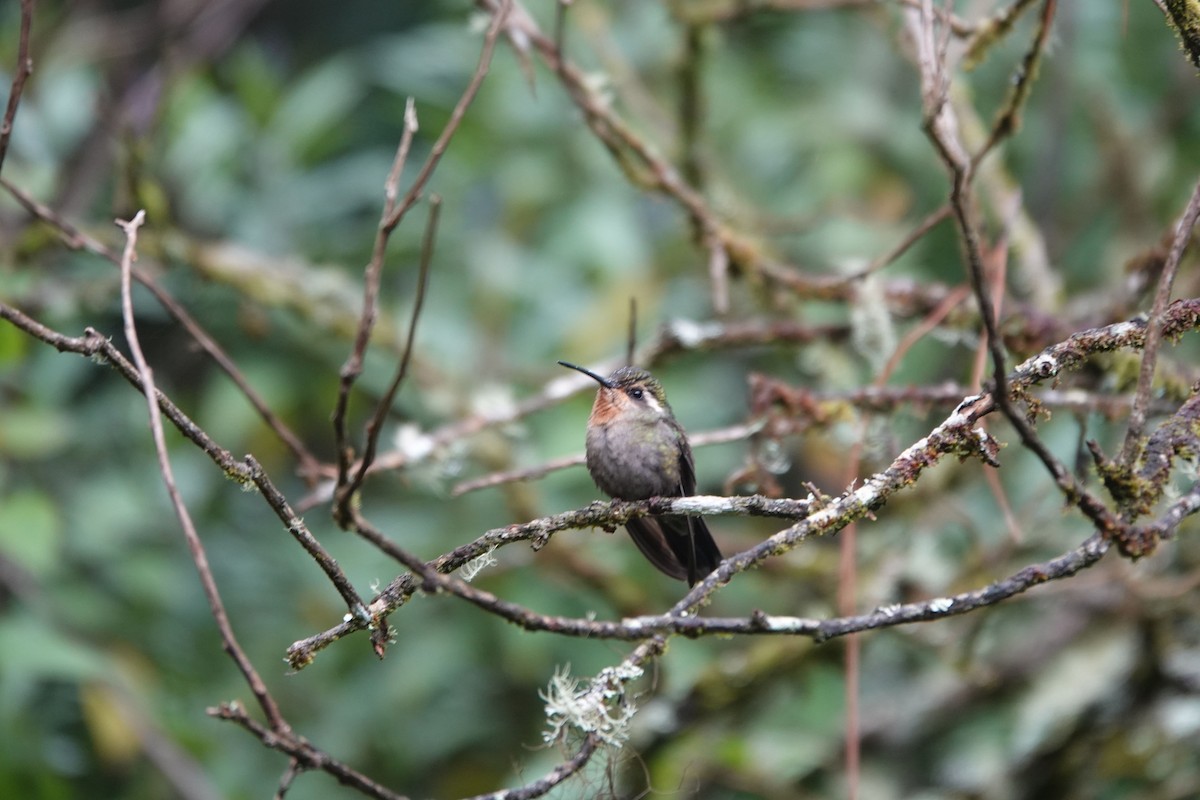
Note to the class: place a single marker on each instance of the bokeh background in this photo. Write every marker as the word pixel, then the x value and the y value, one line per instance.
pixel 258 136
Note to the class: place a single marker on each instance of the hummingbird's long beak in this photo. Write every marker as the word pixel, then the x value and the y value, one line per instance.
pixel 602 381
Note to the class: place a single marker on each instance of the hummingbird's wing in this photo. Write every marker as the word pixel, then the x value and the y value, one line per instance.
pixel 690 552
pixel 694 552
pixel 657 545
pixel 687 468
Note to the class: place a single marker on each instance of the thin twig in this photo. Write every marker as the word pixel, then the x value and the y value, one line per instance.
pixel 941 127
pixel 998 270
pixel 371 278
pixel 300 532
pixel 289 775
pixel 1165 526
pixel 992 30
pixel 384 407
pixel 1137 416
pixel 643 165
pixel 456 117
pixel 393 213
pixel 199 557
pixel 912 237
pixel 539 787
pixel 1008 119
pixel 308 756
pixel 718 273
pixel 20 75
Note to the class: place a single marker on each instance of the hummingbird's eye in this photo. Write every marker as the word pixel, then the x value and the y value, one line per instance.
pixel 636 393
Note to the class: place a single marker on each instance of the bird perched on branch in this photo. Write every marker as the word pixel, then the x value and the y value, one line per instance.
pixel 636 450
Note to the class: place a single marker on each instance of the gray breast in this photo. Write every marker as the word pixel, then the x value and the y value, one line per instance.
pixel 634 461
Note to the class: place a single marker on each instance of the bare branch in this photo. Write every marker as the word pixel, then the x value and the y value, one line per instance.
pixel 371 277
pixel 678 621
pixel 915 235
pixel 393 213
pixel 199 557
pixel 384 407
pixel 20 75
pixel 456 117
pixel 1137 417
pixel 307 756
pixel 942 129
pixel 1008 120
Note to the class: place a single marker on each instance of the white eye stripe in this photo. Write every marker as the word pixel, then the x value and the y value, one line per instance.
pixel 640 394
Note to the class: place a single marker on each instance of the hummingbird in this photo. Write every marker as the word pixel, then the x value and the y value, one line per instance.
pixel 636 449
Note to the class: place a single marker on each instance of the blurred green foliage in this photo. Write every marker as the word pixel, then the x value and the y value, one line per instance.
pixel 261 161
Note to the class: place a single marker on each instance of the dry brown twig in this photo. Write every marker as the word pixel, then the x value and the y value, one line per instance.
pixel 199 557
pixel 371 277
pixel 393 213
pixel 21 74
pixel 95 345
pixel 375 425
pixel 942 129
pixel 1162 296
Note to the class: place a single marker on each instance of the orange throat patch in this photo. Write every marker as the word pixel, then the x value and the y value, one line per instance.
pixel 606 408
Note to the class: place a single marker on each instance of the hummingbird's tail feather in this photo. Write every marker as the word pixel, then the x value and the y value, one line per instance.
pixel 703 555
pixel 647 533
pixel 678 546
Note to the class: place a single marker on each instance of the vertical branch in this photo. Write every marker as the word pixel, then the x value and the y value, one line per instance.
pixel 385 403
pixel 1009 118
pixel 353 366
pixel 20 75
pixel 718 272
pixel 393 213
pixel 199 557
pixel 456 117
pixel 942 128
pixel 1141 401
